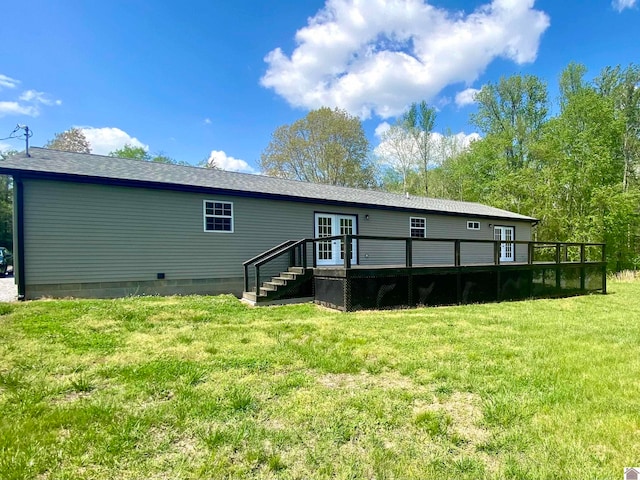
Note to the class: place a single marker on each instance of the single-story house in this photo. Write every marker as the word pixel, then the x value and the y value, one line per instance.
pixel 94 226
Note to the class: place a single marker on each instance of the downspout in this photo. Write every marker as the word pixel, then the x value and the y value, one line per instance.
pixel 18 235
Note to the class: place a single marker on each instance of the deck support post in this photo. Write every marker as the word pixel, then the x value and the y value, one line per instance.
pixel 583 270
pixel 530 254
pixel 246 278
pixel 304 254
pixel 409 253
pixel 558 271
pixel 496 253
pixel 257 280
pixel 604 269
pixel 315 256
pixel 347 251
pixel 457 252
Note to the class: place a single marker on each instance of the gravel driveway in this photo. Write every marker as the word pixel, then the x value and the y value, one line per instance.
pixel 8 289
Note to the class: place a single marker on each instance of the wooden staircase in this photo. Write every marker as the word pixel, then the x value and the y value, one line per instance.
pixel 291 286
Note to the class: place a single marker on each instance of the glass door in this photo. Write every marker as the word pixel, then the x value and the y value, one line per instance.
pixel 331 252
pixel 507 247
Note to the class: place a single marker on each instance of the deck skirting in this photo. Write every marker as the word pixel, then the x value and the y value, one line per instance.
pixel 360 288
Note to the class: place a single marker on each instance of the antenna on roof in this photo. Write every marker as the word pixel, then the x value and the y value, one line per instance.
pixel 27 135
pixel 406 194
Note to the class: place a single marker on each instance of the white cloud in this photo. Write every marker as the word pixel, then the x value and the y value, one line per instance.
pixel 29 103
pixel 381 128
pixel 207 121
pixel 8 82
pixel 375 58
pixel 15 108
pixel 107 139
pixel 5 146
pixel 225 162
pixel 466 97
pixel 620 5
pixel 38 97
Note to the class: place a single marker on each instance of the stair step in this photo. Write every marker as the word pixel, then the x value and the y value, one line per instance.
pixel 280 280
pixel 298 270
pixel 251 296
pixel 269 286
pixel 288 276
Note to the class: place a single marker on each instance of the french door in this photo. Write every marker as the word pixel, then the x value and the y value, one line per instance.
pixel 507 247
pixel 331 252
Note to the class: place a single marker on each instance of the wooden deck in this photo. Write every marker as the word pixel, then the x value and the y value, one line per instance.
pixel 551 269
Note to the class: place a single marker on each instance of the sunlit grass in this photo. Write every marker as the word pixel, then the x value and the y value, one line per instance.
pixel 205 387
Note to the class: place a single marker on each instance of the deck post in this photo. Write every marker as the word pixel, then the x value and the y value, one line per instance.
pixel 315 256
pixel 530 254
pixel 304 255
pixel 558 272
pixel 604 269
pixel 347 251
pixel 583 270
pixel 457 252
pixel 496 252
pixel 409 253
pixel 257 280
pixel 246 278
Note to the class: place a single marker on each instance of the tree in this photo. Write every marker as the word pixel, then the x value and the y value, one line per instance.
pixel 513 111
pixel 399 150
pixel 129 151
pixel 622 87
pixel 327 146
pixel 139 153
pixel 72 140
pixel 419 122
pixel 6 206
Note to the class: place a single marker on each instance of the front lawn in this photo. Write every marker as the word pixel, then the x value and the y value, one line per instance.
pixel 205 387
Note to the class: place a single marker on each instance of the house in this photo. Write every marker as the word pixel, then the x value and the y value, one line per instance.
pixel 94 226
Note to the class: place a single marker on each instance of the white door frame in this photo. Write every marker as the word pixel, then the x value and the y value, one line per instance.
pixel 507 248
pixel 331 224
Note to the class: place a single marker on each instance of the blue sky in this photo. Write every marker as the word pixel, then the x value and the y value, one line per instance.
pixel 215 78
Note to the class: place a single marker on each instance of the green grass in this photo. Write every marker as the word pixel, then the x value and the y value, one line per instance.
pixel 204 387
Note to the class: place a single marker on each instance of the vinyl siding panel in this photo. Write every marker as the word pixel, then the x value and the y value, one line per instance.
pixel 78 233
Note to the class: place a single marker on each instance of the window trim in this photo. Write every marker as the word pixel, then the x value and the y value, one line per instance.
pixel 205 216
pixel 411 227
pixel 470 224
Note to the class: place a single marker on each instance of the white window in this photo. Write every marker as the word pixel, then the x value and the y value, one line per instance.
pixel 418 227
pixel 473 225
pixel 218 216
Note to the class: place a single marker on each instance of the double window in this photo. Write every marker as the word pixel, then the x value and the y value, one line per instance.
pixel 418 227
pixel 473 225
pixel 218 216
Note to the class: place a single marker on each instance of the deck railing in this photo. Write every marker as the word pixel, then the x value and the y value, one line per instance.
pixel 536 252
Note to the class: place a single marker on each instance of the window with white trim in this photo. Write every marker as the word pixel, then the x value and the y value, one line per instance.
pixel 218 216
pixel 418 227
pixel 473 225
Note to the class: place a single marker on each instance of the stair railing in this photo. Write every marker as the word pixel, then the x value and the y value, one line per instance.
pixel 297 251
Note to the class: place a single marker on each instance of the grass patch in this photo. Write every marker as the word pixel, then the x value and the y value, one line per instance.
pixel 204 387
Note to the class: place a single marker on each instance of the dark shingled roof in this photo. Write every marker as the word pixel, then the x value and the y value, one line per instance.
pixel 87 167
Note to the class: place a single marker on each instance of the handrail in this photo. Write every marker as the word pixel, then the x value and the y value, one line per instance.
pixel 275 255
pixel 263 254
pixel 271 254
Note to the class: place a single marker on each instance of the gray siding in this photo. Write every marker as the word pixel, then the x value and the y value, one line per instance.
pixel 85 233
